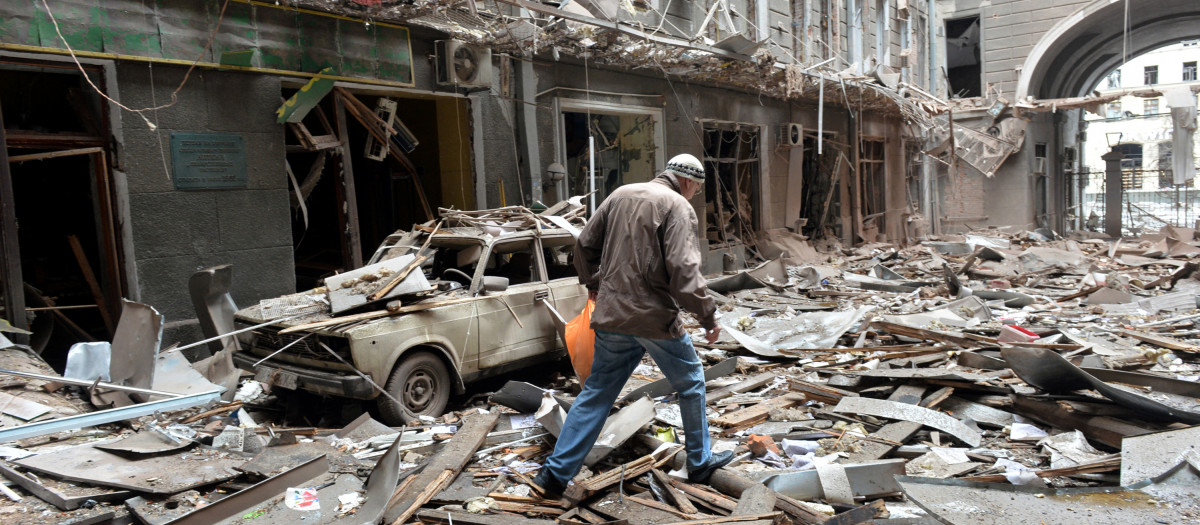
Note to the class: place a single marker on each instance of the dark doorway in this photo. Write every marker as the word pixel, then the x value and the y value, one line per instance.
pixel 821 205
pixel 384 191
pixel 67 240
pixel 963 70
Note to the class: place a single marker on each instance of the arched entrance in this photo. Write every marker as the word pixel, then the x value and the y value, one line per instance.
pixel 1080 49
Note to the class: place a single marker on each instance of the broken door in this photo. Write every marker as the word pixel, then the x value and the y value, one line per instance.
pixel 67 239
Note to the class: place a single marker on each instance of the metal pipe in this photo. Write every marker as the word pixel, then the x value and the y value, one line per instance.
pixel 80 382
pixel 591 172
pixel 235 332
pixel 106 416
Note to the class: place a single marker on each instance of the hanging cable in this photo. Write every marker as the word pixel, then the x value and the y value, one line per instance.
pixel 139 112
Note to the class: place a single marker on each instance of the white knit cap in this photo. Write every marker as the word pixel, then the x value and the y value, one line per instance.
pixel 686 166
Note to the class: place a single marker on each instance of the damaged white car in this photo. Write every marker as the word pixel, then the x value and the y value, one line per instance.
pixel 484 302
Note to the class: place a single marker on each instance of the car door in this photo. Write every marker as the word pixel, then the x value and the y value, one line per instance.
pixel 512 324
pixel 568 296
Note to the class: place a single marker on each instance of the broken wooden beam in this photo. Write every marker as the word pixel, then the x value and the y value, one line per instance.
pixel 753 415
pixel 442 467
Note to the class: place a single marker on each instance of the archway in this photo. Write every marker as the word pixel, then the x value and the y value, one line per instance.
pixel 1079 50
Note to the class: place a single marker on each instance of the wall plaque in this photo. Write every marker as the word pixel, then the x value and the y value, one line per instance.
pixel 208 161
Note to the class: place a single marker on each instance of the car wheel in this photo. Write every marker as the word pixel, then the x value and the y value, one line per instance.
pixel 422 386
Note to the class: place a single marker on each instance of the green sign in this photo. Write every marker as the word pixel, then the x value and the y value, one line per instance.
pixel 208 161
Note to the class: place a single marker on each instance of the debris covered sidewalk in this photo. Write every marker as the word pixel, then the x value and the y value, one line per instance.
pixel 991 378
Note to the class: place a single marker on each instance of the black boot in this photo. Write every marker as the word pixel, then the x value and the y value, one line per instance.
pixel 552 488
pixel 714 462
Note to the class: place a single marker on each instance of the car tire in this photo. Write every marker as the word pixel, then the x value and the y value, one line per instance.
pixel 422 385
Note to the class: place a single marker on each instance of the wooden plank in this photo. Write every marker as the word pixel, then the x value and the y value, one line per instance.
pixel 90 277
pixel 734 485
pixel 464 518
pixel 24 139
pixel 920 333
pixel 1107 465
pixel 817 392
pixel 10 250
pixel 443 467
pixel 347 194
pixel 1161 340
pixel 706 496
pixel 55 154
pixel 673 495
pixel 741 386
pixel 750 416
pixel 771 516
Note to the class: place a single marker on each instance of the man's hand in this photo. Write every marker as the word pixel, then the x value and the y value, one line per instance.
pixel 592 294
pixel 712 335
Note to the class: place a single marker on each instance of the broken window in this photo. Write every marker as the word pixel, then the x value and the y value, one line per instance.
pixel 962 57
pixel 1150 75
pixel 731 161
pixel 1189 71
pixel 854 22
pixel 1166 176
pixel 626 149
pixel 821 200
pixel 1113 110
pixel 883 32
pixel 1150 106
pixel 1131 165
pixel 872 186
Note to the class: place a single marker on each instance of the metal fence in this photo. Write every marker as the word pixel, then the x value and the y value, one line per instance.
pixel 1149 200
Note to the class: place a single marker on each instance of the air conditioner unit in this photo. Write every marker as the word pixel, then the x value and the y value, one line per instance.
pixel 463 65
pixel 386 109
pixel 791 134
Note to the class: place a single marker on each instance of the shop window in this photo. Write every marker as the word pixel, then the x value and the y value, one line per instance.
pixel 731 162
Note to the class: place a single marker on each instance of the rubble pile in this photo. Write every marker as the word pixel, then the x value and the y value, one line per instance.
pixel 987 378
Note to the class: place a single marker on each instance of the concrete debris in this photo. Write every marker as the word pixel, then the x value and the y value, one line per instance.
pixel 986 378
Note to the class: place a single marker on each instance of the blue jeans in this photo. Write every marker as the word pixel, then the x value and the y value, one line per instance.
pixel 617 355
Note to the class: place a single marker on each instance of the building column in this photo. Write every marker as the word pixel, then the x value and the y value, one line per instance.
pixel 1112 193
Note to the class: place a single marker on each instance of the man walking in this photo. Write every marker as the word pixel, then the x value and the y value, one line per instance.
pixel 640 260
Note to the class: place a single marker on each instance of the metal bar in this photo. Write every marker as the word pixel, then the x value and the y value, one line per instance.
pixel 106 416
pixel 235 332
pixel 89 384
pixel 259 493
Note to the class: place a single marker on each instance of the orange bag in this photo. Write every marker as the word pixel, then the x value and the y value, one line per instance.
pixel 581 342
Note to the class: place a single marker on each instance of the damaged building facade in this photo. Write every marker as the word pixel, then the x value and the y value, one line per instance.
pixel 248 133
pixel 1018 79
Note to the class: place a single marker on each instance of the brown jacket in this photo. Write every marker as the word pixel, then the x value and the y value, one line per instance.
pixel 640 252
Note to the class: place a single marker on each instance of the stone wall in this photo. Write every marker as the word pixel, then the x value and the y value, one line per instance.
pixel 174 233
